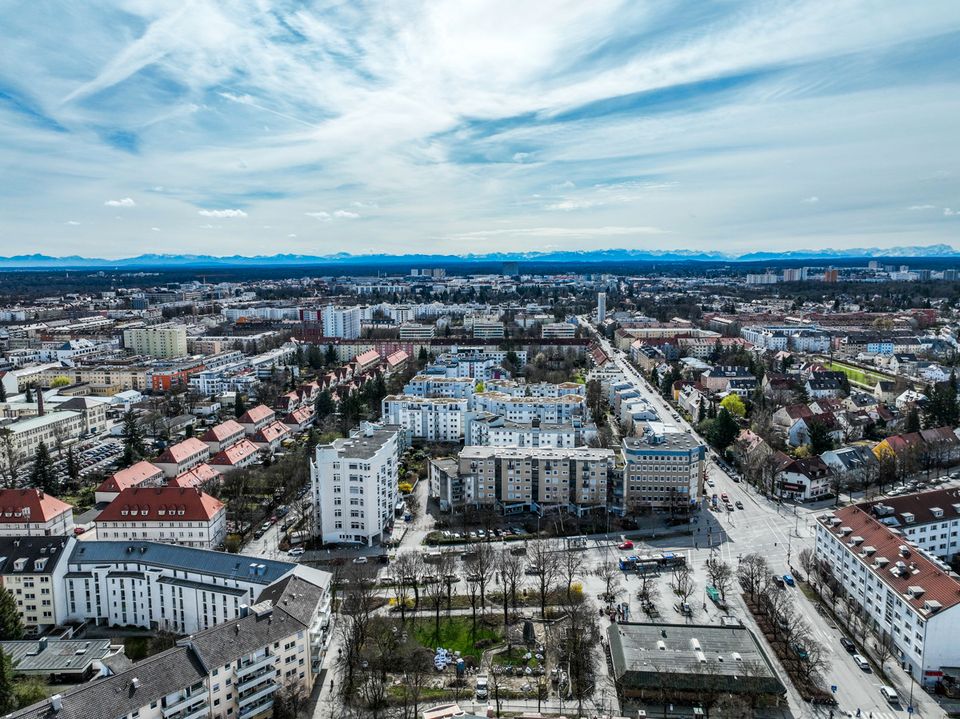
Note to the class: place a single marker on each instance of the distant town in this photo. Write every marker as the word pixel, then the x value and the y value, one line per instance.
pixel 675 490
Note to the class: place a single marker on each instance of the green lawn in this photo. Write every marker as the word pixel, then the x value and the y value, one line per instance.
pixel 456 634
pixel 855 374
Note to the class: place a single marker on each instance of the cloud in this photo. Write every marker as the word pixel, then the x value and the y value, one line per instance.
pixel 125 202
pixel 325 216
pixel 520 156
pixel 72 222
pixel 222 213
pixel 922 207
pixel 562 232
pixel 291 235
pixel 155 229
pixel 812 200
pixel 947 212
pixel 346 215
pixel 320 215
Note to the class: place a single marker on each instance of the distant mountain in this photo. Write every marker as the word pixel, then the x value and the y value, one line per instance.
pixel 155 261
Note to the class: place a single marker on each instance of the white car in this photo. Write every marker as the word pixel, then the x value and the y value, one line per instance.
pixel 360 560
pixel 295 552
pixel 711 483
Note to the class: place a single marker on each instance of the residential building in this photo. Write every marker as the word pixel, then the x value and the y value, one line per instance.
pixel 550 410
pixel 488 329
pixel 928 520
pixel 223 435
pixel 558 330
pixel 25 435
pixel 495 431
pixel 60 661
pixel 32 512
pixel 343 322
pixel 203 476
pixel 177 515
pixel 233 669
pixel 354 485
pixel 270 437
pixel 662 470
pixel 538 479
pixel 162 341
pixel 415 331
pixel 803 479
pixel 428 385
pixel 141 474
pixel 256 418
pixel 32 570
pixel 178 458
pixel 601 307
pixel 434 419
pixel 905 597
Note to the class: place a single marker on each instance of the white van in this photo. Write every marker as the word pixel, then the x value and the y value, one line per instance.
pixel 861 662
pixel 482 687
pixel 890 695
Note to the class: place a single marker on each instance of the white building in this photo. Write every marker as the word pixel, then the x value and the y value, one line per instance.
pixel 558 330
pixel 162 341
pixel 178 515
pixel 429 385
pixel 494 431
pixel 663 470
pixel 550 410
pixel 414 331
pixel 31 513
pixel 908 598
pixel 601 307
pixel 343 322
pixel 354 484
pixel 435 419
pixel 178 458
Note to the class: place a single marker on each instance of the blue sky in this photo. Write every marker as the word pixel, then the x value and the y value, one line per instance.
pixel 222 127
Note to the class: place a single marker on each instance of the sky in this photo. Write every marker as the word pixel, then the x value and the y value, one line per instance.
pixel 263 126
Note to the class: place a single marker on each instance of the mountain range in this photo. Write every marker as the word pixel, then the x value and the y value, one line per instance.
pixel 39 261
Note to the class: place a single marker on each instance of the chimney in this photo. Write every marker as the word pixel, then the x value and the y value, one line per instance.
pixel 42 643
pixel 39 402
pixel 135 683
pixel 56 702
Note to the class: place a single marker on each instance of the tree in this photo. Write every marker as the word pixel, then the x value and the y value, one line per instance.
pixel 544 566
pixel 59 381
pixel 721 431
pixel 324 406
pixel 720 574
pixel 820 439
pixel 290 702
pixel 912 422
pixel 239 406
pixel 43 476
pixel 753 573
pixel 734 405
pixel 681 582
pixel 511 571
pixel 3 392
pixel 11 624
pixel 609 573
pixel 133 447
pixel 9 457
pixel 28 395
pixel 8 700
pixel 73 468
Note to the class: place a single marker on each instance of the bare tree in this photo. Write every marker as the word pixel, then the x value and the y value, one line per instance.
pixel 610 575
pixel 435 592
pixel 753 573
pixel 649 590
pixel 510 567
pixel 484 566
pixel 9 458
pixel 570 565
pixel 356 611
pixel 720 574
pixel 403 581
pixel 884 648
pixel 681 582
pixel 544 566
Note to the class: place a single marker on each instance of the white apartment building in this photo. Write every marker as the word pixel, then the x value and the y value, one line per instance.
pixel 162 341
pixel 343 322
pixel 414 331
pixel 232 670
pixel 32 569
pixel 354 484
pixel 905 596
pixel 32 513
pixel 601 307
pixel 141 474
pixel 549 410
pixel 27 434
pixel 428 385
pixel 662 471
pixel 178 458
pixel 488 329
pixel 928 520
pixel 495 431
pixel 558 330
pixel 435 419
pixel 178 515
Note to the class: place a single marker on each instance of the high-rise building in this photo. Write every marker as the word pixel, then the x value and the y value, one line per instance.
pixel 343 322
pixel 354 485
pixel 831 274
pixel 601 307
pixel 663 471
pixel 163 341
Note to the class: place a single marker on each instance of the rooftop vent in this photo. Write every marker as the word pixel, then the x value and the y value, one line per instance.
pixel 135 683
pixel 932 606
pixel 904 551
pixel 936 511
pixel 915 591
pixel 881 562
pixel 908 517
pixel 56 702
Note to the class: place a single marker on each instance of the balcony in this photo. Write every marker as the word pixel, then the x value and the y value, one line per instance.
pixel 186 707
pixel 255 709
pixel 252 666
pixel 252 680
pixel 244 702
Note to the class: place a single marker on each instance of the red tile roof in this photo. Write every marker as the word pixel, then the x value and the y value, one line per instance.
pixel 260 413
pixel 176 453
pixel 299 416
pixel 148 503
pixel 397 358
pixel 222 431
pixel 367 358
pixel 271 433
pixel 29 505
pixel 196 477
pixel 132 476
pixel 937 585
pixel 232 456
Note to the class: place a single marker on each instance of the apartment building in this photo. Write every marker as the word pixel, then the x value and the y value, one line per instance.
pixel 32 569
pixel 223 435
pixel 141 474
pixel 527 478
pixel 343 322
pixel 178 458
pixel 178 515
pixel 928 520
pixel 558 330
pixel 33 513
pixel 162 341
pixel 256 418
pixel 416 331
pixel 434 419
pixel 905 596
pixel 354 485
pixel 488 329
pixel 549 410
pixel 237 456
pixel 428 385
pixel 495 431
pixel 662 471
pixel 230 671
pixel 27 434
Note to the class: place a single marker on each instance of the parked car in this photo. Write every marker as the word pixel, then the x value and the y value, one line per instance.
pixel 626 544
pixel 890 694
pixel 848 645
pixel 861 662
pixel 360 560
pixel 777 580
pixel 739 504
pixel 788 580
pixel 295 552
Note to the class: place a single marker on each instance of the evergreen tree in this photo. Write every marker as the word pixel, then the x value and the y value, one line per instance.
pixel 239 407
pixel 11 625
pixel 913 421
pixel 28 396
pixel 331 356
pixel 324 406
pixel 133 447
pixel 8 699
pixel 3 392
pixel 314 358
pixel 723 430
pixel 820 440
pixel 43 476
pixel 73 468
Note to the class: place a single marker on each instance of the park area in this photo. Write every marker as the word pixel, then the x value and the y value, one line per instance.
pixel 857 375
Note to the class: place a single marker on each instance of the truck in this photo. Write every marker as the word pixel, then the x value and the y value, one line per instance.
pixel 716 598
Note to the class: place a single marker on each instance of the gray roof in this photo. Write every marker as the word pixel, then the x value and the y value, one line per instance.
pixel 640 662
pixel 295 596
pixel 31 549
pixel 51 656
pixel 206 561
pixel 363 446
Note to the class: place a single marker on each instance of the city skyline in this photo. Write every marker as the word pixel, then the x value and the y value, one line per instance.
pixel 221 128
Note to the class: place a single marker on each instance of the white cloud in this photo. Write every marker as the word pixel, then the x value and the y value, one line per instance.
pixel 155 229
pixel 320 215
pixel 346 215
pixel 72 222
pixel 125 202
pixel 947 212
pixel 812 200
pixel 567 232
pixel 520 156
pixel 922 207
pixel 222 213
pixel 291 235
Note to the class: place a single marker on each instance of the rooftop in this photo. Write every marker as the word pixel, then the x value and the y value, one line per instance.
pixel 29 505
pixel 161 504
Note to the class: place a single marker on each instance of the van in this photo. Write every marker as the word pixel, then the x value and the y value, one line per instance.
pixel 861 662
pixel 482 687
pixel 889 694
